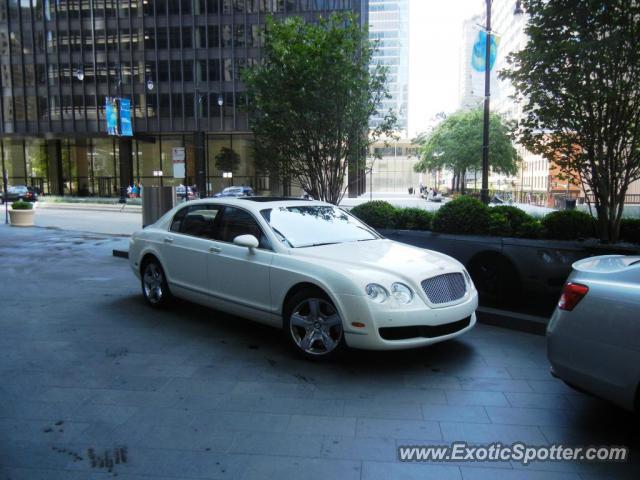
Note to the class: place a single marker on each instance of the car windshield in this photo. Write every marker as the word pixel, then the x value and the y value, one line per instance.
pixel 232 190
pixel 17 189
pixel 313 225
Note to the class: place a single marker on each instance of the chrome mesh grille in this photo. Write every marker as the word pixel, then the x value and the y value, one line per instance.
pixel 444 288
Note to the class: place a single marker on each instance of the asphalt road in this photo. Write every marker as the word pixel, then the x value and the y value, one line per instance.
pixel 93 383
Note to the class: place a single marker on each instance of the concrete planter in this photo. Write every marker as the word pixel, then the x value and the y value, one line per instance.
pixel 21 218
pixel 512 272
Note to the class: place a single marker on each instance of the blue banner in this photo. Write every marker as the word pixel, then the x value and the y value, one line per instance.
pixel 111 111
pixel 126 130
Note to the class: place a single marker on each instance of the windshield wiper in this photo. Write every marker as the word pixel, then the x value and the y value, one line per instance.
pixel 318 244
pixel 278 232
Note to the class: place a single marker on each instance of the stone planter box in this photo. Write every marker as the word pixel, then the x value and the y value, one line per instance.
pixel 21 218
pixel 515 273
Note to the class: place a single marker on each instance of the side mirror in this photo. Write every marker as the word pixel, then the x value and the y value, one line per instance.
pixel 248 241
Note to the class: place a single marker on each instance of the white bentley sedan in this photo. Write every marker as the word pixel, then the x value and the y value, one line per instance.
pixel 308 267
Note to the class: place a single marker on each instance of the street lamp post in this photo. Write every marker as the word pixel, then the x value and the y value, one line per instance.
pixel 484 192
pixel 199 146
pixel 5 181
pixel 220 104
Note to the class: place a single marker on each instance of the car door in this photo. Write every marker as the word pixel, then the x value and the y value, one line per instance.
pixel 187 245
pixel 242 274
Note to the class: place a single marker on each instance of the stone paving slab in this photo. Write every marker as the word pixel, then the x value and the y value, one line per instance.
pixel 93 383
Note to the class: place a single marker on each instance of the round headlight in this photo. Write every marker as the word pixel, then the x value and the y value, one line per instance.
pixel 401 293
pixel 377 293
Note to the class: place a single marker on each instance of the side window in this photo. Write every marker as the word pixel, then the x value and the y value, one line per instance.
pixel 236 222
pixel 200 221
pixel 177 220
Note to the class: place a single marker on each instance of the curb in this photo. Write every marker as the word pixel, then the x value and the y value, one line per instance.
pixel 521 322
pixel 92 207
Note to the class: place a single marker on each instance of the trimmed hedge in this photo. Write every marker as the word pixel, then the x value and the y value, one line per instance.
pixel 532 228
pixel 413 219
pixel 568 225
pixel 514 215
pixel 21 205
pixel 376 214
pixel 468 216
pixel 499 225
pixel 464 215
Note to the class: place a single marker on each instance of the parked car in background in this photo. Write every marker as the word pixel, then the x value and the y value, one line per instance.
pixel 308 267
pixel 180 192
pixel 20 192
pixel 593 337
pixel 238 191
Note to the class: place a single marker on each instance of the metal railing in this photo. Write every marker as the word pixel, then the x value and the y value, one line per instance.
pixel 629 198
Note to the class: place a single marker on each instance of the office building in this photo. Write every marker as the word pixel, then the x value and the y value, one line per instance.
pixel 389 26
pixel 174 65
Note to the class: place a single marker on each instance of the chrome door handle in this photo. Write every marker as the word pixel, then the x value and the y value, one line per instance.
pixel 168 240
pixel 215 249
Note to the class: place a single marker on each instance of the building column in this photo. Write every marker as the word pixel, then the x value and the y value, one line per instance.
pixel 199 139
pixel 82 166
pixel 125 148
pixel 54 167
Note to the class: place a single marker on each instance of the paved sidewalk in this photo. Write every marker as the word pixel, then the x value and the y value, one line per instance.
pixel 113 222
pixel 93 383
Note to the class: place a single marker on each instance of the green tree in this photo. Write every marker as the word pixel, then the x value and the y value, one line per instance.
pixel 456 144
pixel 578 80
pixel 311 99
pixel 227 160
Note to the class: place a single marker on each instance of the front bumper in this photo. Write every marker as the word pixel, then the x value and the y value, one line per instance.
pixel 387 316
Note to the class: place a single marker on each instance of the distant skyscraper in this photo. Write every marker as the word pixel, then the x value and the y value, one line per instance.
pixel 389 23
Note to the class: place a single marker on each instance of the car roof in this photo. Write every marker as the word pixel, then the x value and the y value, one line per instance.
pixel 257 204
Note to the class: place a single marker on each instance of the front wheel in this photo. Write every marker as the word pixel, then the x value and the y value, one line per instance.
pixel 155 288
pixel 313 325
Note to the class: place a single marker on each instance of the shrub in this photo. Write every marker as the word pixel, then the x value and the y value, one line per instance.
pixel 499 225
pixel 377 213
pixel 630 230
pixel 21 205
pixel 515 215
pixel 568 225
pixel 413 219
pixel 464 215
pixel 532 228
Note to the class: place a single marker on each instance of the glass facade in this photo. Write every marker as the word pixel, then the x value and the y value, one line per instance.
pixel 174 60
pixel 389 26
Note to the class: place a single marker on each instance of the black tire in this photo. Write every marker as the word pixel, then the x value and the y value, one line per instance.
pixel 322 331
pixel 156 293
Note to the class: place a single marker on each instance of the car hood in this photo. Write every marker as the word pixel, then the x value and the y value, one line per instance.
pixel 383 255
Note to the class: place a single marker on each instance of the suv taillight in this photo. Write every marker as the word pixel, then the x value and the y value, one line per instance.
pixel 572 293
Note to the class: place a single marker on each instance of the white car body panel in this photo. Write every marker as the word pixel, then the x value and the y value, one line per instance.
pixel 254 283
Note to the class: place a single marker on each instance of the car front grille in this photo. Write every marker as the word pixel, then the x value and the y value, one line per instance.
pixel 444 288
pixel 423 331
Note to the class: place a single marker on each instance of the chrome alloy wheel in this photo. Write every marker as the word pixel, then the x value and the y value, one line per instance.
pixel 316 326
pixel 152 282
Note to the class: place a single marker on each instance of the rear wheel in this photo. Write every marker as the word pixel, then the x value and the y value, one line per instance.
pixel 154 284
pixel 313 325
